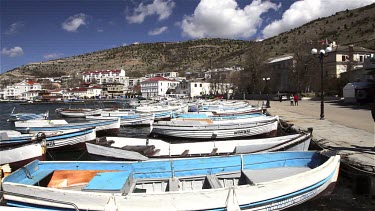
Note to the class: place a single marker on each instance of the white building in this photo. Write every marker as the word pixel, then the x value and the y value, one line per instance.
pixel 15 91
pixel 105 76
pixel 78 93
pixel 94 91
pixel 30 95
pixel 157 86
pixel 193 88
pixel 345 59
pixel 221 73
pixel 169 75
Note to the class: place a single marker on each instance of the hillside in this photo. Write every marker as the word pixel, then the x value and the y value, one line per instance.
pixel 347 27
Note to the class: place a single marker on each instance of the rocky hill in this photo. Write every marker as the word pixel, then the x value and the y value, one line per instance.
pixel 347 27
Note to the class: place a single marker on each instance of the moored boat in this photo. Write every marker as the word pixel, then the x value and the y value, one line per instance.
pixel 21 154
pixel 121 148
pixel 128 120
pixel 109 126
pixel 261 181
pixel 207 129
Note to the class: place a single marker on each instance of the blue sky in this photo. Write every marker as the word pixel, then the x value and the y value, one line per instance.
pixel 34 31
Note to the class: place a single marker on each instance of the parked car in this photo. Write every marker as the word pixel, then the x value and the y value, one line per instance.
pixel 284 97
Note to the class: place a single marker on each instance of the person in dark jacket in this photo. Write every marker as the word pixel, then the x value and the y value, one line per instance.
pixel 296 98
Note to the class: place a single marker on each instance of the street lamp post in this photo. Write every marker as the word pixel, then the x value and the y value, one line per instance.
pixel 322 53
pixel 268 99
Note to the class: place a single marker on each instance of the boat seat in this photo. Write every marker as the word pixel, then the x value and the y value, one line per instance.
pixel 37 177
pixel 109 182
pixel 246 177
pixel 269 174
pixel 173 184
pixel 143 149
pixel 184 153
pixel 214 151
pixel 213 181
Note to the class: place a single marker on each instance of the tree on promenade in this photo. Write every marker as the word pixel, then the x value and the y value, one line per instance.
pixel 254 70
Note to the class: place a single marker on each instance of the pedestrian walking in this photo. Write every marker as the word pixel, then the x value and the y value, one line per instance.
pixel 280 98
pixel 296 99
pixel 291 100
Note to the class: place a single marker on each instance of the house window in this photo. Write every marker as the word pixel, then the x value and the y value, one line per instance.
pixel 200 85
pixel 360 58
pixel 195 85
pixel 343 58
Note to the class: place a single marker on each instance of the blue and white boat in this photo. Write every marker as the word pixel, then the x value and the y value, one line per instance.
pixel 72 139
pixel 264 181
pixel 109 126
pixel 26 116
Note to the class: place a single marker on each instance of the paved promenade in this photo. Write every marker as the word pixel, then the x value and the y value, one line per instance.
pixel 346 128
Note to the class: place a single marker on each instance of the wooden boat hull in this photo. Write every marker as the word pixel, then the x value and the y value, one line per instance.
pixel 21 155
pixel 264 181
pixel 111 126
pixel 71 139
pixel 78 113
pixel 129 120
pixel 121 148
pixel 216 131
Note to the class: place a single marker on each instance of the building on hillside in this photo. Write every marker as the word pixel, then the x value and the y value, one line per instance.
pixel 279 69
pixel 169 75
pixel 112 90
pixel 345 59
pixel 199 87
pixel 94 92
pixel 193 88
pixel 134 84
pixel 16 90
pixel 105 76
pixel 221 73
pixel 158 86
pixel 76 93
pixel 31 94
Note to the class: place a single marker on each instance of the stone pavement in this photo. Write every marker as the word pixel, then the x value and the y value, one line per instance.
pixel 347 129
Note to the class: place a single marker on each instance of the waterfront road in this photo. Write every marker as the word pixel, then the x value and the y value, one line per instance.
pixel 349 129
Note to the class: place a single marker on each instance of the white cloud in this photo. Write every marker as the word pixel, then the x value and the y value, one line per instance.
pixel 304 11
pixel 224 18
pixel 74 22
pixel 12 52
pixel 14 28
pixel 162 8
pixel 53 55
pixel 158 31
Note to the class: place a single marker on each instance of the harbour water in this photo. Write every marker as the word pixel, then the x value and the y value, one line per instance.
pixel 342 198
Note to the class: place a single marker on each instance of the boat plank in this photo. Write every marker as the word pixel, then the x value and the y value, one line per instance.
pixel 69 178
pixel 108 181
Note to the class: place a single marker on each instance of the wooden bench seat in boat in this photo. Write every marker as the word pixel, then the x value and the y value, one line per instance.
pixel 36 176
pixel 108 181
pixel 173 184
pixel 265 175
pixel 213 181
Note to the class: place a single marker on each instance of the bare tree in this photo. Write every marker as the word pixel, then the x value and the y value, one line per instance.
pixel 254 69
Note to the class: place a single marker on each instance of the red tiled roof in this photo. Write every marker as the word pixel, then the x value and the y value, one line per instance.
pixel 100 71
pixel 159 78
pixel 78 89
pixel 95 87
